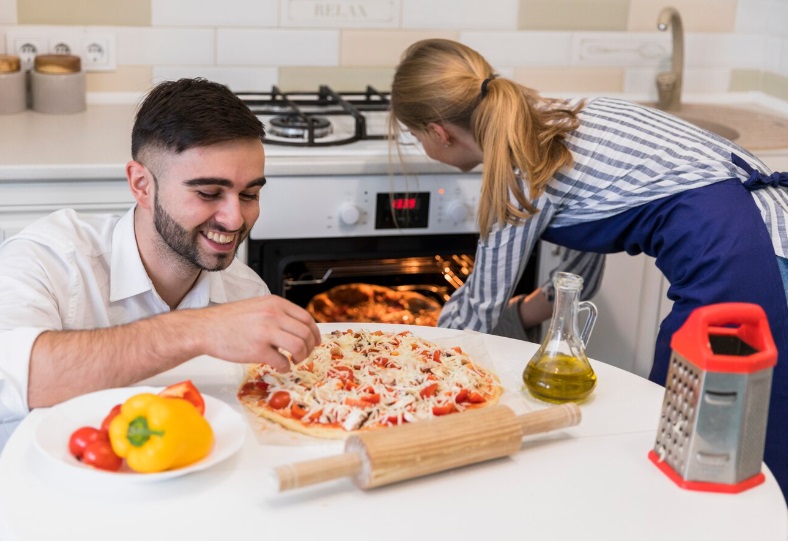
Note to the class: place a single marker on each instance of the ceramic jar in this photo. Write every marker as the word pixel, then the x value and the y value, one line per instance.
pixel 13 89
pixel 57 84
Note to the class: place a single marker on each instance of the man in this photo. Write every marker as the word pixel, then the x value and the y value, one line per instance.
pixel 94 302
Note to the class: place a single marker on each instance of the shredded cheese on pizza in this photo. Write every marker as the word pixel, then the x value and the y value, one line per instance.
pixel 359 379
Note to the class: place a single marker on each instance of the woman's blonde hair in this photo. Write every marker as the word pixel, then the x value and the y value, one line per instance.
pixel 441 81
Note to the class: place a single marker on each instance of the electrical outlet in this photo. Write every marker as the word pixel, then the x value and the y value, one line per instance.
pixel 98 52
pixel 26 48
pixel 65 44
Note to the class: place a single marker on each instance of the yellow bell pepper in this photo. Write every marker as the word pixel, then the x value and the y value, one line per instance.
pixel 154 433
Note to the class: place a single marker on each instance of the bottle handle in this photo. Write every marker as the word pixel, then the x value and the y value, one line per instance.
pixel 590 307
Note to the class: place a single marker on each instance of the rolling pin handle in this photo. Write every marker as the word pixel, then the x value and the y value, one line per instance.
pixel 310 472
pixel 551 418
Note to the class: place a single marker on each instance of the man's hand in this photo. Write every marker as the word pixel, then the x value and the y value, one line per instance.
pixel 257 330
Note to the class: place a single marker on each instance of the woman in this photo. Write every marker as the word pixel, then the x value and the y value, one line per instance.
pixel 600 176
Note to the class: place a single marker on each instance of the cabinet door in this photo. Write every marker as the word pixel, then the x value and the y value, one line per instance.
pixel 24 202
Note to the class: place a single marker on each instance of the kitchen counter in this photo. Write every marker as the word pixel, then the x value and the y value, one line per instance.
pixel 96 144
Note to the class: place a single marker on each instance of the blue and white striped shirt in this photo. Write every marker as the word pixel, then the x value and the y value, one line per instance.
pixel 625 155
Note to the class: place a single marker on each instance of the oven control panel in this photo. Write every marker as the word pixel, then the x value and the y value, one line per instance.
pixel 374 205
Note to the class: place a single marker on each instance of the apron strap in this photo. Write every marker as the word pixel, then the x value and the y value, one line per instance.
pixel 756 179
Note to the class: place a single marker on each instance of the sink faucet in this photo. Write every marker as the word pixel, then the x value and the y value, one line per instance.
pixel 669 82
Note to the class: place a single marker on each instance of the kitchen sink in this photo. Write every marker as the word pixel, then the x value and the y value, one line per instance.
pixel 748 127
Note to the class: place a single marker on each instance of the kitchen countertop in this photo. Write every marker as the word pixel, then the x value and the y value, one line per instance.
pixel 96 144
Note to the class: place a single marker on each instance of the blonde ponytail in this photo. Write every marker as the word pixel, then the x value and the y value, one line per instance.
pixel 441 81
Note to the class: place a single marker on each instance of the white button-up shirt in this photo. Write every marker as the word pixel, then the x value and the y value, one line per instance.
pixel 69 271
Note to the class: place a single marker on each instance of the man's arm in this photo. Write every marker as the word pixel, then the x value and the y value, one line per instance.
pixel 64 364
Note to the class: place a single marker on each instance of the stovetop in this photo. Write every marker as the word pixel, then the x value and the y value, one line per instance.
pixel 348 116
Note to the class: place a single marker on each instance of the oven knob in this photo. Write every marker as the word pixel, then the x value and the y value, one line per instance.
pixel 349 214
pixel 457 211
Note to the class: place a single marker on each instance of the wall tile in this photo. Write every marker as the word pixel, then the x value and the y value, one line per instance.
pixel 343 79
pixel 85 12
pixel 213 13
pixel 388 45
pixel 696 15
pixel 641 81
pixel 753 16
pixel 151 46
pixel 7 12
pixel 776 85
pixel 571 79
pixel 744 80
pixel 729 50
pixel 134 79
pixel 460 14
pixel 340 13
pixel 778 18
pixel 573 15
pixel 277 47
pixel 521 48
pixel 238 79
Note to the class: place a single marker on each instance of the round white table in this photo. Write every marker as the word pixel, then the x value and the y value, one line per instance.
pixel 590 481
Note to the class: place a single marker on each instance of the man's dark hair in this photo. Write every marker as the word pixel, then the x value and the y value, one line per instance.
pixel 187 113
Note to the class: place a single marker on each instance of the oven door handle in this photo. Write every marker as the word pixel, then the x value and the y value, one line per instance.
pixel 290 283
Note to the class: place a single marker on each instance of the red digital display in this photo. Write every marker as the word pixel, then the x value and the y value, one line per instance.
pixel 402 210
pixel 403 203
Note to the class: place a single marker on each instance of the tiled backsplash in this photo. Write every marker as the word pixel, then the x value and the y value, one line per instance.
pixel 558 46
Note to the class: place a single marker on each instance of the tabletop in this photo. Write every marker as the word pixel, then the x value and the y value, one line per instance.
pixel 592 480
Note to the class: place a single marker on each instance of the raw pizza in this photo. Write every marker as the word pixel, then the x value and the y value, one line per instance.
pixel 373 303
pixel 359 380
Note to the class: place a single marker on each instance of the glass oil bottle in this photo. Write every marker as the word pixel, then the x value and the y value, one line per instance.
pixel 559 371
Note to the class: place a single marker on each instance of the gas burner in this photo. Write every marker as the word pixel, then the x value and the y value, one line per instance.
pixel 308 118
pixel 298 127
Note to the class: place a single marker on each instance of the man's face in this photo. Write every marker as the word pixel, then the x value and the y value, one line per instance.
pixel 207 200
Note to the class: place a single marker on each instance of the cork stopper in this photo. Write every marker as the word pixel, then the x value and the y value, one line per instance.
pixel 9 63
pixel 57 63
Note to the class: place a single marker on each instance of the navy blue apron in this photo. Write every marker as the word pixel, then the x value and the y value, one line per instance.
pixel 712 246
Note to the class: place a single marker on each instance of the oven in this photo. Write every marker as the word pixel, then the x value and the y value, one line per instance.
pixel 338 209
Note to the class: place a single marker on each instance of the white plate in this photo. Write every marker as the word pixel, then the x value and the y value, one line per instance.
pixel 55 429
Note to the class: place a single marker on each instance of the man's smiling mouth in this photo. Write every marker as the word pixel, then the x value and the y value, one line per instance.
pixel 219 238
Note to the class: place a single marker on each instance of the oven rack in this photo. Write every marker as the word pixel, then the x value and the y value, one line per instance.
pixel 453 268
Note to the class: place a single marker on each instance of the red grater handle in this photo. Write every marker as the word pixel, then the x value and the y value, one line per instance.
pixel 744 321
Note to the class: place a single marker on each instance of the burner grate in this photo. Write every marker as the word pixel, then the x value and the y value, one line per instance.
pixel 304 107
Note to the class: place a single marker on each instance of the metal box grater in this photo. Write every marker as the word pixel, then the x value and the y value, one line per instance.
pixel 712 429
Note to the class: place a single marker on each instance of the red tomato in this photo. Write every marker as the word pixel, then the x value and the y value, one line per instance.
pixel 475 397
pixel 99 454
pixel 462 396
pixel 429 390
pixel 341 371
pixel 108 419
pixel 84 436
pixel 443 410
pixel 279 400
pixel 188 392
pixel 297 411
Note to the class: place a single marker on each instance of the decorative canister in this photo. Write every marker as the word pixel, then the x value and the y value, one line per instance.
pixel 13 92
pixel 57 84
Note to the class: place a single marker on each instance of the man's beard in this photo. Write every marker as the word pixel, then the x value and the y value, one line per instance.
pixel 186 244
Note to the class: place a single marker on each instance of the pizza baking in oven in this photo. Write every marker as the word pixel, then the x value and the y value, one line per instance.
pixel 373 303
pixel 360 380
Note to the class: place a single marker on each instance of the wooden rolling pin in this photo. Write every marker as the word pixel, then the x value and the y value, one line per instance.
pixel 407 451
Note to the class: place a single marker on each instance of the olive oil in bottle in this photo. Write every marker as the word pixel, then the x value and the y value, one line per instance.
pixel 559 371
pixel 560 379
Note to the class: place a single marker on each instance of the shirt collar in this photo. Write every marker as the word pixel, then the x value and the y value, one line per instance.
pixel 128 276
